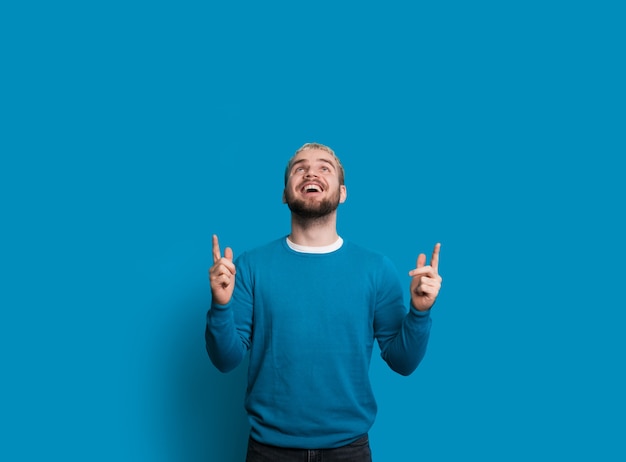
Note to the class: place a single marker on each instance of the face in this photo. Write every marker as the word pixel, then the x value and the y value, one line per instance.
pixel 313 189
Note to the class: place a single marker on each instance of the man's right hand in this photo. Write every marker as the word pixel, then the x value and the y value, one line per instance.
pixel 222 274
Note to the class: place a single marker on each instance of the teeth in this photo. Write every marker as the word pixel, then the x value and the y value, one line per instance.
pixel 312 187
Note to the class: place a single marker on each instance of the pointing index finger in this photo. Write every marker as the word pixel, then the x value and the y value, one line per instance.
pixel 216 249
pixel 434 261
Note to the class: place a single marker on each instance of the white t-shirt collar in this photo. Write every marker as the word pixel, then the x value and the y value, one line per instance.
pixel 310 249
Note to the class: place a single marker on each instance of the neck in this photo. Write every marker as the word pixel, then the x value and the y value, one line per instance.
pixel 314 232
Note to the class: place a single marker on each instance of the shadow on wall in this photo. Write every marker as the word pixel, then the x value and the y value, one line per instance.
pixel 207 421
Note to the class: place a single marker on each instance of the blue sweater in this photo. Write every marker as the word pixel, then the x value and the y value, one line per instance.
pixel 309 322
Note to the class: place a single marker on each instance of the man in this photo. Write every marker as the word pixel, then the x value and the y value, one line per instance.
pixel 308 308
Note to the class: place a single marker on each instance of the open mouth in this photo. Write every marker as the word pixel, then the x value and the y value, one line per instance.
pixel 311 188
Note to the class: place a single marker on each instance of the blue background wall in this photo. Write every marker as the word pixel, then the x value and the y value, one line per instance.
pixel 132 131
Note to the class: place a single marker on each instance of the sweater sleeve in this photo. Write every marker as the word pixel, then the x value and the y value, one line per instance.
pixel 401 335
pixel 229 327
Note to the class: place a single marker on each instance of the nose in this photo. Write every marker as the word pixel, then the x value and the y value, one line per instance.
pixel 310 174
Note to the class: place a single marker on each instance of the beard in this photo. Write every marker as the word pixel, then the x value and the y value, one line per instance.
pixel 312 209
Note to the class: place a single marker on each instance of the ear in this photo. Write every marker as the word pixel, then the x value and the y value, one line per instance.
pixel 284 198
pixel 343 194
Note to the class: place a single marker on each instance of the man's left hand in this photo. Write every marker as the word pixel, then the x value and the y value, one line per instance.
pixel 426 281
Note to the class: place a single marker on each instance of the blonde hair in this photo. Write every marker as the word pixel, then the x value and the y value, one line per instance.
pixel 321 147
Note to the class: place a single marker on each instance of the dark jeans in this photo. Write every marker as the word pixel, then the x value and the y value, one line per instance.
pixel 359 451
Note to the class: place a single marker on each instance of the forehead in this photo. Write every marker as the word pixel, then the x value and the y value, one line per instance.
pixel 313 155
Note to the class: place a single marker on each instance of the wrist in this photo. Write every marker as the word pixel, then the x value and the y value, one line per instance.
pixel 420 308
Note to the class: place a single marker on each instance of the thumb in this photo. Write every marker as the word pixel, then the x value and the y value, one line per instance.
pixel 421 260
pixel 228 253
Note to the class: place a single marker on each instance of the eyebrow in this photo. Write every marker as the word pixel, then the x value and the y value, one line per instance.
pixel 321 159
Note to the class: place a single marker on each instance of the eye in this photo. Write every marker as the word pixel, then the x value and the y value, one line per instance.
pixel 299 169
pixel 325 169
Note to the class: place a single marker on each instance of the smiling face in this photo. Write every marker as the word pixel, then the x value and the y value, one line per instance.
pixel 313 186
